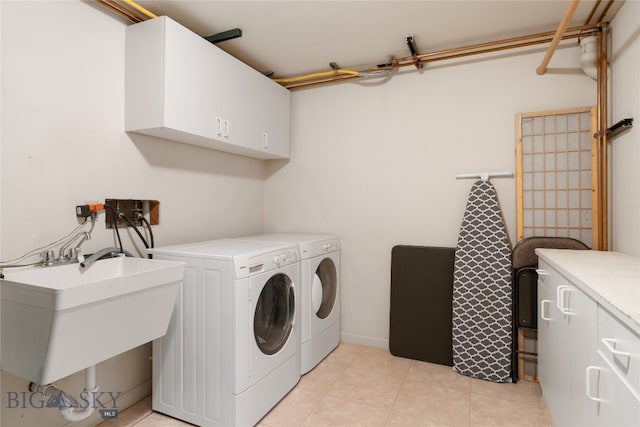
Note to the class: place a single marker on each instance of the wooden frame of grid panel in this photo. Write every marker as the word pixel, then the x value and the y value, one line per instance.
pixel 557 170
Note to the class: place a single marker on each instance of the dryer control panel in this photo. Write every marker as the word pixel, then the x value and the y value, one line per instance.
pixel 320 247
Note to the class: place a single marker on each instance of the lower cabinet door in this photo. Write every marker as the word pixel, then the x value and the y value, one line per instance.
pixel 552 374
pixel 581 314
pixel 617 404
pixel 567 344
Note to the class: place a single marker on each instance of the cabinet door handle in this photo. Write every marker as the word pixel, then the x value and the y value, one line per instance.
pixel 265 140
pixel 226 128
pixel 588 374
pixel 219 122
pixel 542 272
pixel 544 316
pixel 558 289
pixel 563 301
pixel 607 343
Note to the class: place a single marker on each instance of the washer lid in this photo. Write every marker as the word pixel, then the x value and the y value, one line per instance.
pixel 248 257
pixel 310 245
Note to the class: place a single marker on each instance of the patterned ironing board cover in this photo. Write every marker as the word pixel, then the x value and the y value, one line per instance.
pixel 482 290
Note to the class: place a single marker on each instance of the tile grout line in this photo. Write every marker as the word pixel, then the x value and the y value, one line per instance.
pixel 395 400
pixel 539 404
pixel 439 385
pixel 352 366
pixel 326 393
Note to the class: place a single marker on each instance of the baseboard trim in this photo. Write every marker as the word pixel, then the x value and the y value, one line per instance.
pixel 364 340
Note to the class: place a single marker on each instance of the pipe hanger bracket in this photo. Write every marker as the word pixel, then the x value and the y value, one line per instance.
pixel 613 130
pixel 414 52
pixel 224 36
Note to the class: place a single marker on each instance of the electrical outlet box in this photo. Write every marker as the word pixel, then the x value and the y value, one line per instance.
pixel 131 209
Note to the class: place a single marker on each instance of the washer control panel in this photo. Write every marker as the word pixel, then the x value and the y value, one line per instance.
pixel 286 257
pixel 267 261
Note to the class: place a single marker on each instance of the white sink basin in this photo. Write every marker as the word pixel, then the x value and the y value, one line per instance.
pixel 59 320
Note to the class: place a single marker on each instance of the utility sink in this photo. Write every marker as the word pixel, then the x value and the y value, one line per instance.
pixel 59 320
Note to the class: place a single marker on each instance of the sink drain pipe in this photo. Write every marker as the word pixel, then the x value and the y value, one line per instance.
pixel 65 403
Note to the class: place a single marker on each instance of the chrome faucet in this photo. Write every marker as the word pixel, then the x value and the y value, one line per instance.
pixel 68 254
pixel 71 251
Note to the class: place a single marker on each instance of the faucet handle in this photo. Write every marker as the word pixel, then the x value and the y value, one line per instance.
pixel 73 253
pixel 48 257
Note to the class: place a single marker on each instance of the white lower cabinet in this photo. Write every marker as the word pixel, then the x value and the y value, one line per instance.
pixel 617 404
pixel 620 347
pixel 567 336
pixel 587 361
pixel 614 382
pixel 552 348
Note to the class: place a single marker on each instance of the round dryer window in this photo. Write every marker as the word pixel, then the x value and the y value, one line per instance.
pixel 324 288
pixel 274 315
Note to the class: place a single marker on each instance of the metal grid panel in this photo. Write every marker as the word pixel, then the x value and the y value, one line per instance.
pixel 555 175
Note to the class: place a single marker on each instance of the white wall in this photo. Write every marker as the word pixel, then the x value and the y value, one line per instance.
pixel 376 165
pixel 63 144
pixel 625 149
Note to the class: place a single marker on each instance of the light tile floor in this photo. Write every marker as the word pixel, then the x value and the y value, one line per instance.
pixel 363 386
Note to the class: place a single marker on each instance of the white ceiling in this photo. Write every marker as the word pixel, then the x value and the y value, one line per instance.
pixel 297 37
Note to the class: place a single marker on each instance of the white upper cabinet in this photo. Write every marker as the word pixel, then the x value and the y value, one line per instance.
pixel 183 88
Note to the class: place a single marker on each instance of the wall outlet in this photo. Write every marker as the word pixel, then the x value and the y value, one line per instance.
pixel 132 209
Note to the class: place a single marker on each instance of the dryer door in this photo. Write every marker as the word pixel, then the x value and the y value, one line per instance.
pixel 274 314
pixel 324 288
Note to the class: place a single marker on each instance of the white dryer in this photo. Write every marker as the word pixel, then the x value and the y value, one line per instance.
pixel 232 348
pixel 320 293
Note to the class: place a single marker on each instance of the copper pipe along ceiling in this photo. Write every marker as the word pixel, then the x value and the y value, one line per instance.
pixel 120 10
pixel 141 9
pixel 402 63
pixel 606 9
pixel 593 11
pixel 454 53
pixel 595 8
pixel 409 61
pixel 558 36
pixel 507 41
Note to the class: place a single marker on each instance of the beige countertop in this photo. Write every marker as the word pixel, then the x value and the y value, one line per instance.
pixel 612 279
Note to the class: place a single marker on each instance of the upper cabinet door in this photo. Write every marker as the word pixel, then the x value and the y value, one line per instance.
pixel 271 106
pixel 182 88
pixel 193 84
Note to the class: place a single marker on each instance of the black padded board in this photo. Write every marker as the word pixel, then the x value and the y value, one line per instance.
pixel 421 298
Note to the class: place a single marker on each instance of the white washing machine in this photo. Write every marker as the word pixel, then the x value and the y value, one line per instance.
pixel 232 348
pixel 320 293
